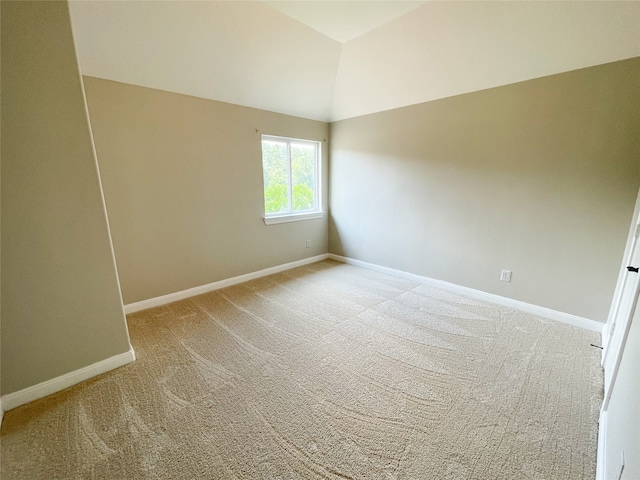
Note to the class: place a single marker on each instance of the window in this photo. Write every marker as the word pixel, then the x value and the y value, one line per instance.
pixel 291 170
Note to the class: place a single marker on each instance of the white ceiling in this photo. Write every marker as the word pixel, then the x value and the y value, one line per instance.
pixel 449 48
pixel 344 20
pixel 245 53
pixel 371 55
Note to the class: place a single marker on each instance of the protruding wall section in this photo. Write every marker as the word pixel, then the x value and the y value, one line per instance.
pixel 61 303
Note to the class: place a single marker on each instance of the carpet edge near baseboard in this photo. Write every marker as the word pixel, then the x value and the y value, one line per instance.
pixel 16 399
pixel 567 318
pixel 210 287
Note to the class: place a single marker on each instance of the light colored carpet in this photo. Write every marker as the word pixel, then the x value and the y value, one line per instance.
pixel 326 371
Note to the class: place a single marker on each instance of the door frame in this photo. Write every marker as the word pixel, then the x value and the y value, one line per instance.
pixel 616 330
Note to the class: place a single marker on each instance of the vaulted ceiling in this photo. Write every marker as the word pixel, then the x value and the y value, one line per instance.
pixel 344 20
pixel 330 60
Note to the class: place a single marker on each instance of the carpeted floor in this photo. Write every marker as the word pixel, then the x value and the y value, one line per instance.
pixel 327 371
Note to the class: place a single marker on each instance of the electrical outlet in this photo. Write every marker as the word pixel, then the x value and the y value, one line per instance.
pixel 505 276
pixel 308 243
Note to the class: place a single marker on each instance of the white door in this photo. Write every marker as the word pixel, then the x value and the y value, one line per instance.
pixel 622 314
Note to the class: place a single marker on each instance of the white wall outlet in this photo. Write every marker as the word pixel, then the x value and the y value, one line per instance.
pixel 308 243
pixel 505 276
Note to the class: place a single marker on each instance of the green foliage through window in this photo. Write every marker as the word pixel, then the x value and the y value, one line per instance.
pixel 290 169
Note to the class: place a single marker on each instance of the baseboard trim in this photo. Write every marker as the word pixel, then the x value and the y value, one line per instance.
pixel 567 318
pixel 40 390
pixel 1 413
pixel 210 287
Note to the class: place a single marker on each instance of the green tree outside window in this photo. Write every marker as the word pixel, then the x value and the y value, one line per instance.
pixel 290 175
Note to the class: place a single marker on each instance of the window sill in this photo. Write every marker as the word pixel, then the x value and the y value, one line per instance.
pixel 292 218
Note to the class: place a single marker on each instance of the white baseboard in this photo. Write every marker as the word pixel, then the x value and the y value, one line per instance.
pixel 210 287
pixel 567 318
pixel 29 394
pixel 1 413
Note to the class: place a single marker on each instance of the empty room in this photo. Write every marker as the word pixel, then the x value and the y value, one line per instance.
pixel 320 240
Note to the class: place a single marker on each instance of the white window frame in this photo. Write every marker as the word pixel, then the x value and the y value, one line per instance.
pixel 316 212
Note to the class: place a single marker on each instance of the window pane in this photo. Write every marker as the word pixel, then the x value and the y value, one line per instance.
pixel 276 177
pixel 303 176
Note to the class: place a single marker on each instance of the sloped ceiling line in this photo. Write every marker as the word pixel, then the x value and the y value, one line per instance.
pixel 344 20
pixel 252 54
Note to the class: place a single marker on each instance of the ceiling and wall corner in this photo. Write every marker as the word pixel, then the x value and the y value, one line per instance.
pixel 449 48
pixel 252 54
pixel 245 53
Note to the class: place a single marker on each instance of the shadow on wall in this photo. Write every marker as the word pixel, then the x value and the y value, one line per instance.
pixel 335 242
pixel 538 177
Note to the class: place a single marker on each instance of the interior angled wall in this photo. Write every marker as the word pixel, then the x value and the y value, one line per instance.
pixel 538 177
pixel 183 185
pixel 61 304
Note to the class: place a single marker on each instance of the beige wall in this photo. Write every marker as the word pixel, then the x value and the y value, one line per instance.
pixel 182 178
pixel 538 177
pixel 61 306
